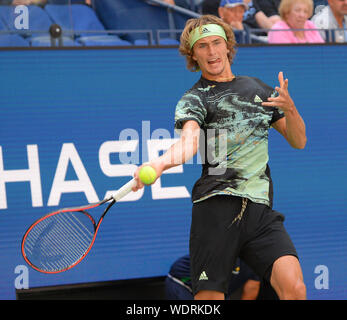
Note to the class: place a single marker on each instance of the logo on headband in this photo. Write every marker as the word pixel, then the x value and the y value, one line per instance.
pixel 205 30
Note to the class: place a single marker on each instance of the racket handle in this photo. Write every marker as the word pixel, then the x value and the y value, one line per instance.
pixel 124 190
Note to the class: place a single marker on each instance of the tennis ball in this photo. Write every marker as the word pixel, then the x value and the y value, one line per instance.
pixel 147 175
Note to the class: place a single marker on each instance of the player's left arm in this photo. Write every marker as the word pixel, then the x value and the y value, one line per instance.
pixel 292 126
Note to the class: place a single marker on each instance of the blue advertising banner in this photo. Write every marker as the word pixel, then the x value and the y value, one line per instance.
pixel 76 123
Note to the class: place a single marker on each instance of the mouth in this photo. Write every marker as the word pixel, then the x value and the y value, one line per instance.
pixel 213 61
pixel 301 21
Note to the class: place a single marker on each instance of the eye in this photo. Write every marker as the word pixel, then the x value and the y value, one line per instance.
pixel 216 42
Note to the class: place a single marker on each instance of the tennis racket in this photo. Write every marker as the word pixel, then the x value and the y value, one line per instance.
pixel 61 239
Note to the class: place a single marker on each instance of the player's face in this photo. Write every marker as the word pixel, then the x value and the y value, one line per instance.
pixel 211 54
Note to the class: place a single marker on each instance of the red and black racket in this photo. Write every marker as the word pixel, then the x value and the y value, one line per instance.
pixel 61 239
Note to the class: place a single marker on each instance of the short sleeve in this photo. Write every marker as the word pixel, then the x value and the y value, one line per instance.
pixel 190 107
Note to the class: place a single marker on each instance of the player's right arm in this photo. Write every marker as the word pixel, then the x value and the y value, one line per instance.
pixel 180 152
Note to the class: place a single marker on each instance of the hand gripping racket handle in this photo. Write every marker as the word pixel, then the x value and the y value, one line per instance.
pixel 123 191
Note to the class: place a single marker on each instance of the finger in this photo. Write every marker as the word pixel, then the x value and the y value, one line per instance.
pixel 281 92
pixel 269 104
pixel 280 79
pixel 135 186
pixel 275 99
pixel 139 184
pixel 286 84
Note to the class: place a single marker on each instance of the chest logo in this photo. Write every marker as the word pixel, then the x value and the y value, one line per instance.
pixel 257 99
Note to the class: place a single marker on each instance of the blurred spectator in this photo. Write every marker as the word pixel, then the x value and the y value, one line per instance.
pixel 333 16
pixel 210 7
pixel 254 17
pixel 295 14
pixel 267 12
pixel 250 19
pixel 249 16
pixel 232 12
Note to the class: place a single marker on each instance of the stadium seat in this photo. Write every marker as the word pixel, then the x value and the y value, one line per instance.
pixel 141 42
pixel 137 15
pixel 11 40
pixel 82 21
pixel 168 41
pixel 39 24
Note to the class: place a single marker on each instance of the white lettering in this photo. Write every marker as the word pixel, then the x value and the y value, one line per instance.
pixel 194 309
pixel 60 185
pixel 321 281
pixel 143 310
pixel 123 166
pixel 21 281
pixel 32 174
pixel 22 20
pixel 119 170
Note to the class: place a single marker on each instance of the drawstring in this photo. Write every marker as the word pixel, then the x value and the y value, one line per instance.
pixel 239 216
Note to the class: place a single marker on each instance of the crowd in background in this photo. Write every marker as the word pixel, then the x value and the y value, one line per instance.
pixel 264 21
pixel 286 21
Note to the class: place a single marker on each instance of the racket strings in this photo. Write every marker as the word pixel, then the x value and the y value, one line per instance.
pixel 59 241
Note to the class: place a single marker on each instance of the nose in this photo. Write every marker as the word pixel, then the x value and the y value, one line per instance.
pixel 303 15
pixel 211 50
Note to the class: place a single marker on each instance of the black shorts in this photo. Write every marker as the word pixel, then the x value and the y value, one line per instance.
pixel 217 239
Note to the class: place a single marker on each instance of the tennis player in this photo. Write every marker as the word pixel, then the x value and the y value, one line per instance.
pixel 228 117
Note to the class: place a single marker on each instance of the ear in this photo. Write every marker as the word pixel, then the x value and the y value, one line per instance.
pixel 193 56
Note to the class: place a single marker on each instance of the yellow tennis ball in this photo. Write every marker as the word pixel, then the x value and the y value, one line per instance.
pixel 147 175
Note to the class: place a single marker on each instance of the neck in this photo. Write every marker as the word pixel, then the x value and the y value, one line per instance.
pixel 219 78
pixel 300 34
pixel 226 79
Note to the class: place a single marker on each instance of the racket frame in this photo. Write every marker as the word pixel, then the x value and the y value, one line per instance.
pixel 124 190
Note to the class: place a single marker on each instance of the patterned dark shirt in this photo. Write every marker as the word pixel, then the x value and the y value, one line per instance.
pixel 234 137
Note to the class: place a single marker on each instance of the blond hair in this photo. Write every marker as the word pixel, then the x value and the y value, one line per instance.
pixel 191 24
pixel 286 5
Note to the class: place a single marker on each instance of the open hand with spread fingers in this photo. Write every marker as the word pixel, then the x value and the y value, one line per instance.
pixel 283 100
